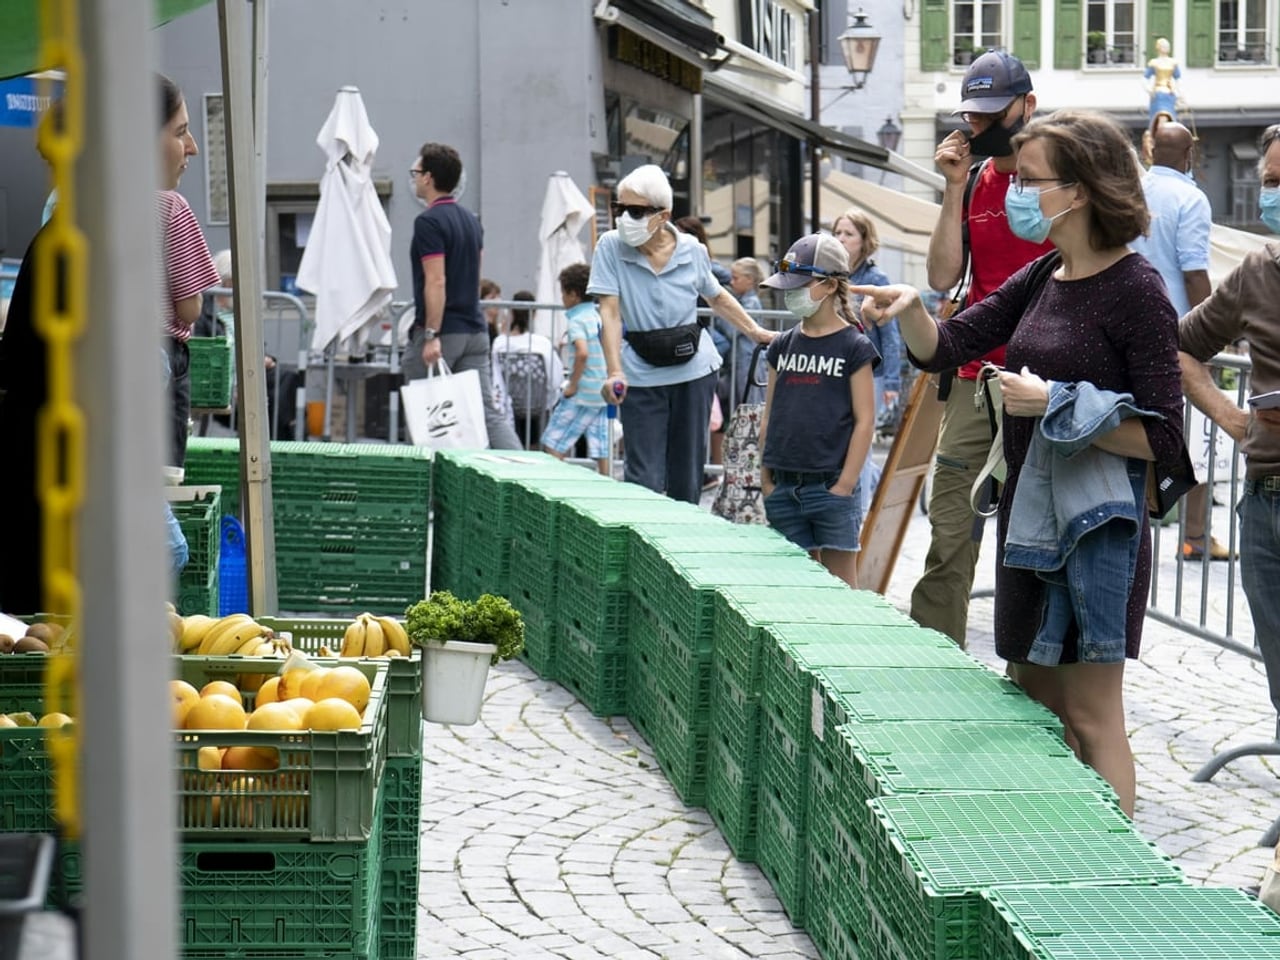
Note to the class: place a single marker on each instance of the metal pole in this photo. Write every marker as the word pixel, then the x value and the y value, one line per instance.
pixel 695 161
pixel 127 778
pixel 246 232
pixel 815 111
pixel 260 111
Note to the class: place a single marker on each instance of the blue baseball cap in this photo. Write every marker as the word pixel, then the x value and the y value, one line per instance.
pixel 992 82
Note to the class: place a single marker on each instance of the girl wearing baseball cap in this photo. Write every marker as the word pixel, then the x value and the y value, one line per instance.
pixel 819 411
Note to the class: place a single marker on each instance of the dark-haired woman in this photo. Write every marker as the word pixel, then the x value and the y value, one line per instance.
pixel 187 269
pixel 1101 320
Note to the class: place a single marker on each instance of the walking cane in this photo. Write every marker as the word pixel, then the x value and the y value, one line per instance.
pixel 611 413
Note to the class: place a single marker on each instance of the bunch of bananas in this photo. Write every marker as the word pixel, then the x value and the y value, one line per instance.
pixel 237 633
pixel 370 636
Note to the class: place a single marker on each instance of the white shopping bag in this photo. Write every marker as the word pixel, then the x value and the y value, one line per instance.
pixel 445 410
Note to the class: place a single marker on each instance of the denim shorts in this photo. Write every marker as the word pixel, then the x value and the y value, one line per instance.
pixel 1090 592
pixel 805 511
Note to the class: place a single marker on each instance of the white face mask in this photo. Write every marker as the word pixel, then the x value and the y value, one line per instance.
pixel 801 303
pixel 635 232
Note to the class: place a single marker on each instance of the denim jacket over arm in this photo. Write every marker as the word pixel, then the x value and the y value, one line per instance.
pixel 1067 487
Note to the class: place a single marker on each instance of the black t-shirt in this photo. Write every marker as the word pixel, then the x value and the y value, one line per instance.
pixel 448 230
pixel 811 419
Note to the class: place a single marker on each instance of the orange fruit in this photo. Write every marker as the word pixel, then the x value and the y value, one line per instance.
pixel 311 684
pixel 332 714
pixel 250 758
pixel 216 711
pixel 209 758
pixel 54 720
pixel 251 682
pixel 224 687
pixel 184 697
pixel 268 692
pixel 300 706
pixel 275 716
pixel 290 685
pixel 347 683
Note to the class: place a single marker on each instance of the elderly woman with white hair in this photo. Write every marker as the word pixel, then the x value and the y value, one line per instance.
pixel 661 361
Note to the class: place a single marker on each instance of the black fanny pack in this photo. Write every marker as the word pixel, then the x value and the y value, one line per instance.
pixel 667 347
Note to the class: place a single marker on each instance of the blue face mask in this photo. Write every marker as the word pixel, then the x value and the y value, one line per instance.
pixel 1025 217
pixel 1269 207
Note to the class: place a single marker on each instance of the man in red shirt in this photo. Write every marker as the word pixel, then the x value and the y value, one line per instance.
pixel 997 102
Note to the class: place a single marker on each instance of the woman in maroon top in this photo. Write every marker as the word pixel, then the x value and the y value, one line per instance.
pixel 186 268
pixel 1101 317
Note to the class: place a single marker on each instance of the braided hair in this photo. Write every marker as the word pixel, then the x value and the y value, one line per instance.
pixel 845 310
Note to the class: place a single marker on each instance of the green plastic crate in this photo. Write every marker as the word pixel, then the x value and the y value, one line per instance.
pixel 910 758
pixel 783 855
pixel 1121 923
pixel 594 669
pixel 210 372
pixel 931 854
pixel 595 609
pixel 735 714
pixel 784 765
pixel 324 788
pixel 199 513
pixel 401 809
pixel 258 899
pixel 732 795
pixel 199 596
pixel 594 536
pixel 404 677
pixel 398 923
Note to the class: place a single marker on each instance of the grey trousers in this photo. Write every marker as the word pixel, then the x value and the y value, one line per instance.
pixel 466 351
pixel 665 432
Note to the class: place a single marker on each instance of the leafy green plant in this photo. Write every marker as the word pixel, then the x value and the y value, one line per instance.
pixel 489 619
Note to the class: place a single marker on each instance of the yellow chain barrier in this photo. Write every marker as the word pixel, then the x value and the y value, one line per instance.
pixel 61 277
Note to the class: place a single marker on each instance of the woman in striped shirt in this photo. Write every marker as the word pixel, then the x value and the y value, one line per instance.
pixel 186 268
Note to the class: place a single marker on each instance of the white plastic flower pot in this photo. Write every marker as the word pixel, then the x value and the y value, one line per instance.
pixel 453 678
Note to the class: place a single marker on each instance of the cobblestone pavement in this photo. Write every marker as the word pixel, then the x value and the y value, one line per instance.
pixel 552 833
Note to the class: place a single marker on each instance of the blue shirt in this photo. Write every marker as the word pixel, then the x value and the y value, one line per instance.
pixel 1178 241
pixel 886 339
pixel 448 230
pixel 584 324
pixel 655 301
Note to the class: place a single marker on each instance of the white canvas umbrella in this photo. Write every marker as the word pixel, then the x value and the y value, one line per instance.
pixel 347 260
pixel 565 211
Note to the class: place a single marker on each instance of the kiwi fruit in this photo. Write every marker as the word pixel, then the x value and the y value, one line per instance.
pixel 6 643
pixel 30 644
pixel 44 632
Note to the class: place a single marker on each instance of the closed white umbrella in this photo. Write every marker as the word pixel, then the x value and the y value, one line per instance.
pixel 565 211
pixel 347 261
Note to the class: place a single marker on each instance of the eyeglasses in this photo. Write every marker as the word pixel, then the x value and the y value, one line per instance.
pixel 638 211
pixel 988 118
pixel 415 172
pixel 1020 183
pixel 790 266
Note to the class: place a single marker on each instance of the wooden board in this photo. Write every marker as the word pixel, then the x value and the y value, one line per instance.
pixel 902 480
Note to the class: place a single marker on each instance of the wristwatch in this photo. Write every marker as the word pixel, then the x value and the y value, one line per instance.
pixel 428 333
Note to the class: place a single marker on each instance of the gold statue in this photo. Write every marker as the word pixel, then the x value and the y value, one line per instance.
pixel 1161 79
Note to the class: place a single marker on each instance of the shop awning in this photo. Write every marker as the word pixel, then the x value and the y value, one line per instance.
pixel 792 124
pixel 20 31
pixel 678 26
pixel 902 221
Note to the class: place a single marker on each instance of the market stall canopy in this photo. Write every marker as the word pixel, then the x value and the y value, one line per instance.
pixel 1227 247
pixel 565 211
pixel 20 31
pixel 347 260
pixel 903 222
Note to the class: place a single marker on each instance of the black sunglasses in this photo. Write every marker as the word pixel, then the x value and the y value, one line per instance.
pixel 638 211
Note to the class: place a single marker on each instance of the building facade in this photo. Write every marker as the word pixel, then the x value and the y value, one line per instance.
pixel 1093 54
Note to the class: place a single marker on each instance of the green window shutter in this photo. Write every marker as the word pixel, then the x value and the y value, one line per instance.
pixel 935 52
pixel 1068 24
pixel 1200 50
pixel 1159 24
pixel 1026 33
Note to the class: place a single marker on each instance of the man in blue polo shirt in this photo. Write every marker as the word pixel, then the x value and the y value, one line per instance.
pixel 1178 246
pixel 444 257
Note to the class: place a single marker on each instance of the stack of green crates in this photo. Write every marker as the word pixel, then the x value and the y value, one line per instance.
pixel 931 855
pixel 536 508
pixel 401 787
pixel 682 605
pixel 890 759
pixel 474 490
pixel 201 521
pixel 593 593
pixel 210 372
pixel 1124 923
pixel 350 520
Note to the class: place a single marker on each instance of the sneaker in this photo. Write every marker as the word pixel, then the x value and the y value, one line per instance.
pixel 1193 549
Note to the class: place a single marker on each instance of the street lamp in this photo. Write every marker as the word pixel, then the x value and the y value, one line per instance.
pixel 889 135
pixel 859 45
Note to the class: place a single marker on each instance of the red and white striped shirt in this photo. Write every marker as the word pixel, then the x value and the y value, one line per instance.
pixel 186 268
